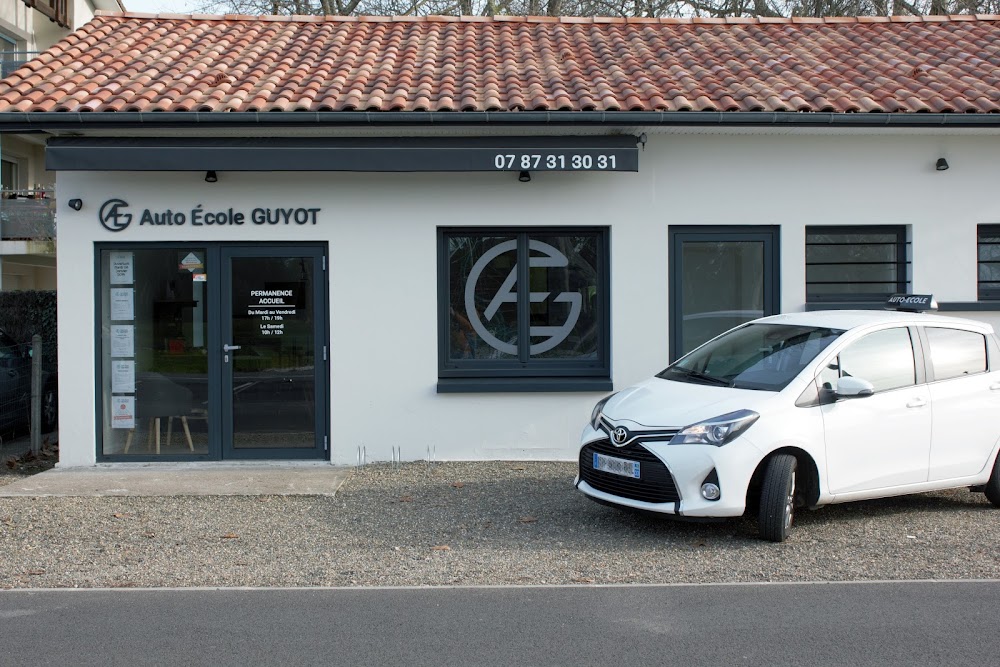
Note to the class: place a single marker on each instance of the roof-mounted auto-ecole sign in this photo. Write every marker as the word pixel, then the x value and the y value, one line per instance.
pixel 911 303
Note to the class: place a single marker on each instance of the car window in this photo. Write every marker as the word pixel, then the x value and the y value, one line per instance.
pixel 956 352
pixel 756 356
pixel 884 358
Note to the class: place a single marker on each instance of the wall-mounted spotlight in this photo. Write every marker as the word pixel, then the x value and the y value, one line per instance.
pixel 941 164
pixel 75 204
pixel 524 177
pixel 211 176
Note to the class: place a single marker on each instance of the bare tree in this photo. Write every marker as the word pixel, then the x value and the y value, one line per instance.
pixel 646 8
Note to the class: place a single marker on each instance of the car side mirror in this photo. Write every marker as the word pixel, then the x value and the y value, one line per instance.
pixel 853 387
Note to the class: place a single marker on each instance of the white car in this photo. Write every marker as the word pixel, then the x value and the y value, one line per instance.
pixel 803 410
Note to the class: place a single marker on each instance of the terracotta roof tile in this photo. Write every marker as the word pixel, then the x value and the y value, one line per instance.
pixel 177 62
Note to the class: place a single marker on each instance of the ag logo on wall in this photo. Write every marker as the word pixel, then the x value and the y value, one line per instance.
pixel 553 335
pixel 112 215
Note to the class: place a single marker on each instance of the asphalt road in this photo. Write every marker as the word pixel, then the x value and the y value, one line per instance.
pixel 899 623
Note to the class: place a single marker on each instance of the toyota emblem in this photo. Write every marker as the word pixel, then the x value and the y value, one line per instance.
pixel 620 435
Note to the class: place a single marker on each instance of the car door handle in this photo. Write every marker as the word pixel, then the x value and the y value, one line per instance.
pixel 995 386
pixel 916 403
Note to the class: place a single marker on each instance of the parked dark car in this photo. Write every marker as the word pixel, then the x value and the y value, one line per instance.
pixel 15 388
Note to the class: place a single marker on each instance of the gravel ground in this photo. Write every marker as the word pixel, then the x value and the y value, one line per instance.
pixel 472 523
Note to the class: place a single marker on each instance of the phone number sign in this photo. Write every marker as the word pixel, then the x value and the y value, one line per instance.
pixel 566 160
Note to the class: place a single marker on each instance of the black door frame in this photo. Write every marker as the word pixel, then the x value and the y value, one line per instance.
pixel 214 334
pixel 770 235
pixel 320 325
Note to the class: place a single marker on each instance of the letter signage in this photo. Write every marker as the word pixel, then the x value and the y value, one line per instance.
pixel 272 307
pixel 913 303
pixel 115 216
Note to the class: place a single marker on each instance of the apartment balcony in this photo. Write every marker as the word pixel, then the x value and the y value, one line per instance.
pixel 27 222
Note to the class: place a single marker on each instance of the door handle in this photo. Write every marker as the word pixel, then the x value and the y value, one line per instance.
pixel 995 386
pixel 229 348
pixel 916 403
pixel 11 372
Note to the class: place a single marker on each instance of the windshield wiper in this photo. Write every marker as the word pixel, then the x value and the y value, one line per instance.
pixel 696 375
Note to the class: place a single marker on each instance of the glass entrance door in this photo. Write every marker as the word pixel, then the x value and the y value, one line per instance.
pixel 720 277
pixel 273 358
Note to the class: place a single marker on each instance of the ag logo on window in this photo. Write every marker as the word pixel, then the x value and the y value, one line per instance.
pixel 507 293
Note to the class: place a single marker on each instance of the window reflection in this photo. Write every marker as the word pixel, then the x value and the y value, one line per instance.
pixel 154 324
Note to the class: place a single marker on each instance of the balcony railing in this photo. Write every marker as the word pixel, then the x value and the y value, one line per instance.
pixel 11 60
pixel 27 215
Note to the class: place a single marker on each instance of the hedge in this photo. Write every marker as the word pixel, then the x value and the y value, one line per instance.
pixel 23 314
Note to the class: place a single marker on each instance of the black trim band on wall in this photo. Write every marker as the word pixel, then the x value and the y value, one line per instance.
pixel 51 121
pixel 969 306
pixel 367 154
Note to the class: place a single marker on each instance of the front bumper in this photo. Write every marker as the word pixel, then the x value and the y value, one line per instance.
pixel 688 467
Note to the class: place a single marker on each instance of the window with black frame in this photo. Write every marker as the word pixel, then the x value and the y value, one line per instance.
pixel 856 263
pixel 988 261
pixel 523 310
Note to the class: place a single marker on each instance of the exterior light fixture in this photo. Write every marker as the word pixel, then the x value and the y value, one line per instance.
pixel 75 204
pixel 941 164
pixel 211 176
pixel 524 177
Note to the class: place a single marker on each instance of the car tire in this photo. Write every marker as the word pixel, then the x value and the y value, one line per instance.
pixel 777 498
pixel 992 489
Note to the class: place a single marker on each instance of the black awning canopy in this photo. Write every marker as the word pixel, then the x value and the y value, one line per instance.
pixel 375 154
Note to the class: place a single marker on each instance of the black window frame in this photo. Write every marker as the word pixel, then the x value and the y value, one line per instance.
pixel 525 374
pixel 768 235
pixel 983 293
pixel 850 299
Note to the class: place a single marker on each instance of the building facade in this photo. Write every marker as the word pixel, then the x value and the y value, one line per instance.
pixel 347 282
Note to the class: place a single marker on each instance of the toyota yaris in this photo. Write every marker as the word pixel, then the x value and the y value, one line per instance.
pixel 803 410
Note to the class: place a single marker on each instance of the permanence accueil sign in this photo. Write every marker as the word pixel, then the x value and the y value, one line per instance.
pixel 116 215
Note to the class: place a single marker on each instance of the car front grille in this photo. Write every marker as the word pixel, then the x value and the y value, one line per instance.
pixel 655 483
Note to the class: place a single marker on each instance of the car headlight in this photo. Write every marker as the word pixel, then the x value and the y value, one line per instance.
pixel 717 431
pixel 595 416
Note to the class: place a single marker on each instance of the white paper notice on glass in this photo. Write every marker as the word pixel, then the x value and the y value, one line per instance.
pixel 122 376
pixel 123 412
pixel 121 268
pixel 122 340
pixel 122 303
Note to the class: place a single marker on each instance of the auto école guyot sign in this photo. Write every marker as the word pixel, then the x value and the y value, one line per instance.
pixel 116 215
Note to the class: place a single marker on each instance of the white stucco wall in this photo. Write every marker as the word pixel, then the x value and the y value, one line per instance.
pixel 381 230
pixel 17 23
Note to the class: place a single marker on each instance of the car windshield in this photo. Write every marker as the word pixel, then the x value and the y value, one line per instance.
pixel 755 356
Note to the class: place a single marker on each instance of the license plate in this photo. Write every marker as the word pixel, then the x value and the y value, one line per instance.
pixel 615 466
